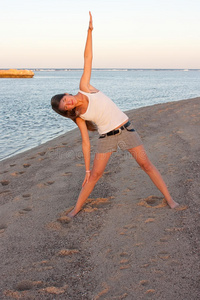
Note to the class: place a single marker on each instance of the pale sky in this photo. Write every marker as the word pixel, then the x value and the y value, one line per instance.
pixel 127 33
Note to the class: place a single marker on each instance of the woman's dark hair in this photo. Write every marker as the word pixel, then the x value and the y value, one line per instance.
pixel 71 114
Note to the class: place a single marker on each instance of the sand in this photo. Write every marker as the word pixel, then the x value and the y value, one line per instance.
pixel 126 243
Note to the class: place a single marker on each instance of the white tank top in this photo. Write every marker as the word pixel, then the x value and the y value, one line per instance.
pixel 103 112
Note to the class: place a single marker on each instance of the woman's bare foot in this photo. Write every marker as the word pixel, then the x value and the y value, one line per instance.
pixel 72 213
pixel 172 203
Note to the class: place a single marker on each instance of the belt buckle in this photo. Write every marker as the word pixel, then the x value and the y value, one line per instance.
pixel 119 131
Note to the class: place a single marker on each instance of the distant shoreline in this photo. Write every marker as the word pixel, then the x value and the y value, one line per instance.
pixel 15 73
pixel 102 69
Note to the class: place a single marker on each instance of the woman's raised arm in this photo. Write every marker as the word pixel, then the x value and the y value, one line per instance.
pixel 88 55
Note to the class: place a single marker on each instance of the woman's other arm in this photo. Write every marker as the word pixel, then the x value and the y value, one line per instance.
pixel 85 147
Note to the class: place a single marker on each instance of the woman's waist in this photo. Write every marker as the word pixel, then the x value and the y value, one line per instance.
pixel 117 130
pixel 105 127
pixel 124 123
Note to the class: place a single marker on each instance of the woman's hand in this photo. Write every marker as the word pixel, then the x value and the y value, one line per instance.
pixel 90 22
pixel 87 176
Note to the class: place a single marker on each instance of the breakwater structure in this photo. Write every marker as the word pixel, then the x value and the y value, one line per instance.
pixel 14 73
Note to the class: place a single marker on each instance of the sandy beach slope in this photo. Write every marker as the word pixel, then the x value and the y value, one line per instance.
pixel 126 243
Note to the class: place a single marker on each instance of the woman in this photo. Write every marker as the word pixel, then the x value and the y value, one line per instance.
pixel 91 106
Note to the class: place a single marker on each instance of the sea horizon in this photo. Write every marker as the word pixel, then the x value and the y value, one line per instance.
pixel 49 69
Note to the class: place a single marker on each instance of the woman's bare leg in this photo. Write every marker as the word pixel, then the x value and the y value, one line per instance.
pixel 142 159
pixel 100 162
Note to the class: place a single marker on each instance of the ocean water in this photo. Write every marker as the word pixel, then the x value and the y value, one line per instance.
pixel 26 117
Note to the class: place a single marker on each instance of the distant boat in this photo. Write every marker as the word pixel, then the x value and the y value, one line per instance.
pixel 13 73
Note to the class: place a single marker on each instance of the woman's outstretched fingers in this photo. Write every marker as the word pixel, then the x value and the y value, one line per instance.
pixel 86 179
pixel 90 22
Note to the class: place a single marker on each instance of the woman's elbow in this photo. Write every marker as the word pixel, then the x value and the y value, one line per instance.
pixel 88 56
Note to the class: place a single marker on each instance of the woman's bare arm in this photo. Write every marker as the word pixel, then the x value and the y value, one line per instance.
pixel 85 147
pixel 88 56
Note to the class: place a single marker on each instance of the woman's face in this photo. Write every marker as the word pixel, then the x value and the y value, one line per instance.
pixel 68 102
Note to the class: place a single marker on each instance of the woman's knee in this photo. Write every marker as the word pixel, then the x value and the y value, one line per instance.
pixel 146 165
pixel 95 175
pixel 141 157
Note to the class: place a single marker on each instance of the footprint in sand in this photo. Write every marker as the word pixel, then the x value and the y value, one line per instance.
pixel 150 220
pixel 67 174
pixel 124 254
pixel 181 207
pixel 124 261
pixel 41 158
pixel 173 229
pixel 14 174
pixel 150 292
pixel 49 182
pixel 139 244
pixel 41 153
pixel 43 185
pixel 95 203
pixel 144 282
pixel 17 173
pixel 55 226
pixel 127 229
pixel 33 157
pixel 80 165
pixel 164 239
pixel 61 222
pixel 5 192
pixel 26 195
pixel 55 290
pixel 67 252
pixel 125 267
pixel 153 201
pixel 145 266
pixel 5 182
pixel 64 220
pixel 26 165
pixel 3 227
pixel 25 210
pixel 24 285
pixel 122 233
pixel 164 257
pixel 3 172
pixel 103 292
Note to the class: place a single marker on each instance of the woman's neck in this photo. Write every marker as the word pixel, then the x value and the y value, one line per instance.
pixel 82 103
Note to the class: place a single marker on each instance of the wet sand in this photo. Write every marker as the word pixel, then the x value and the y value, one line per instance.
pixel 126 243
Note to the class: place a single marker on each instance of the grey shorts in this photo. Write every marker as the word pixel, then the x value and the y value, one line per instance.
pixel 127 139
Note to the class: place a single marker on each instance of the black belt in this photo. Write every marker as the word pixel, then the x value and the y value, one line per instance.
pixel 115 131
